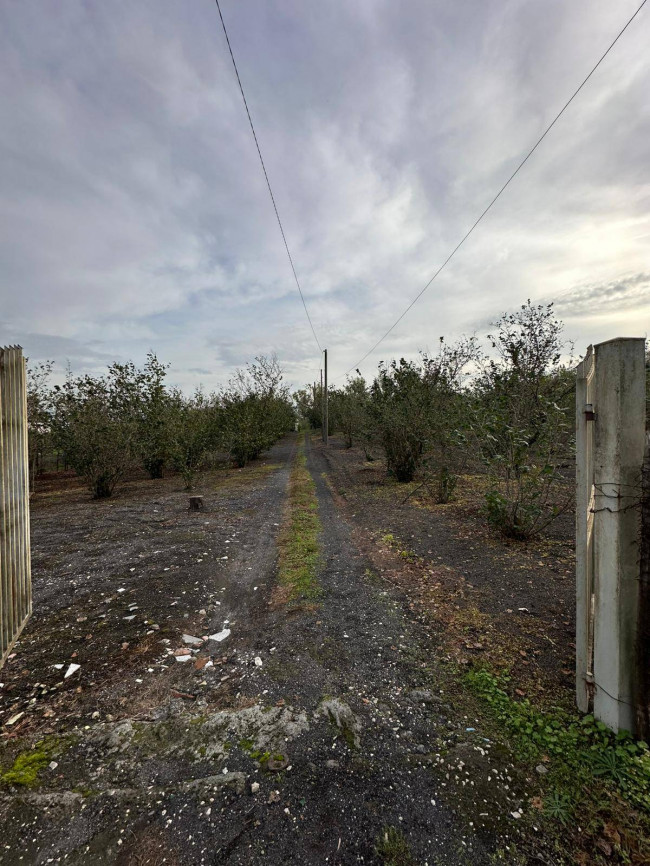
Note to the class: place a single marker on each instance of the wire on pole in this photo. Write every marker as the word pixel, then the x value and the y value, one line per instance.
pixel 501 190
pixel 266 176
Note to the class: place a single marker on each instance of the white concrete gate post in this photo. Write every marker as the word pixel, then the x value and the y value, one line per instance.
pixel 618 446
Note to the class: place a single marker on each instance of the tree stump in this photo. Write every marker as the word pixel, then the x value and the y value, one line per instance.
pixel 196 503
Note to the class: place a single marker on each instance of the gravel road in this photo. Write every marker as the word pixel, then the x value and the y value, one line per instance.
pixel 308 734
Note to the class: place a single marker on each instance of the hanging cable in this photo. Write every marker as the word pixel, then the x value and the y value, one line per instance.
pixel 268 182
pixel 499 193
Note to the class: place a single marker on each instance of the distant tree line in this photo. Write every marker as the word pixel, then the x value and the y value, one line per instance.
pixel 104 427
pixel 507 411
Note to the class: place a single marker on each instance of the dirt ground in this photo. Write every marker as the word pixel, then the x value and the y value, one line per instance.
pixel 507 602
pixel 207 725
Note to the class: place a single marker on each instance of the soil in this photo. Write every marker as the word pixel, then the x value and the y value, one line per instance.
pixel 307 730
pixel 510 602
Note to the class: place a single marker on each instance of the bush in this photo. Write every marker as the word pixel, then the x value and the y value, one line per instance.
pixel 39 416
pixel 399 407
pixel 95 422
pixel 193 430
pixel 523 421
pixel 256 410
pixel 107 425
pixel 348 412
pixel 154 433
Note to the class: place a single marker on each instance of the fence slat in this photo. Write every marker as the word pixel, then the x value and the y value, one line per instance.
pixel 15 560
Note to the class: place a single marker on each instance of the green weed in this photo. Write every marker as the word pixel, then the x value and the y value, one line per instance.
pixel 298 545
pixel 393 849
pixel 583 747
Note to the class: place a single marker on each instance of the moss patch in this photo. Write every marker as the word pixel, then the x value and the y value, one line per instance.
pixel 26 767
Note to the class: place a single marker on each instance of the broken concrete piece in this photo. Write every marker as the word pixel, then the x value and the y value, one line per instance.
pixel 14 719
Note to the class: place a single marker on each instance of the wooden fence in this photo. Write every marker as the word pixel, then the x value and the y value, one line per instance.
pixel 15 563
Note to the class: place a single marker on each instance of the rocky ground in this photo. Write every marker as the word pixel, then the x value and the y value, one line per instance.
pixel 162 706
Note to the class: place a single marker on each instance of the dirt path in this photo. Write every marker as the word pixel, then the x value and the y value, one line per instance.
pixel 309 734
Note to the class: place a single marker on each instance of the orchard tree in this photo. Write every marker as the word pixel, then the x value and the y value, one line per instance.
pixel 523 420
pixel 348 412
pixel 155 430
pixel 445 376
pixel 400 409
pixel 95 422
pixel 193 429
pixel 256 410
pixel 39 416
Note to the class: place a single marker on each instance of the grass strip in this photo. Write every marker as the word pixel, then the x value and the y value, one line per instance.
pixel 299 551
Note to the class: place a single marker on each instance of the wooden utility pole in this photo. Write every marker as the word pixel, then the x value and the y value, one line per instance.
pixel 325 418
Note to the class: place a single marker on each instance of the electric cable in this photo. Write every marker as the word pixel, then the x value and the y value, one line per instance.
pixel 499 193
pixel 266 176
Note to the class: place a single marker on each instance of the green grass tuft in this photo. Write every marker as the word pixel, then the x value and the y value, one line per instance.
pixel 393 849
pixel 298 545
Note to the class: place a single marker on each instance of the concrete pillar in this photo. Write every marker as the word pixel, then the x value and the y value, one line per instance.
pixel 619 435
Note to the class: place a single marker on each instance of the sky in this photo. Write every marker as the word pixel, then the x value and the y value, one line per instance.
pixel 135 217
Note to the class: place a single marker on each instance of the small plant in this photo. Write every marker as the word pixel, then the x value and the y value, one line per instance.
pixel 559 806
pixel 393 849
pixel 610 765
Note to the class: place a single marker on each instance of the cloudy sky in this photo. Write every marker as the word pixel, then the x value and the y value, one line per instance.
pixel 134 215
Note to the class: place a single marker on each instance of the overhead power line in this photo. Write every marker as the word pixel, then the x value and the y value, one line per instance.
pixel 503 188
pixel 266 176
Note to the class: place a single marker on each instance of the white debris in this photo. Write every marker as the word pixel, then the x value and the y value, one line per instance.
pixel 183 658
pixel 71 669
pixel 121 589
pixel 221 635
pixel 193 641
pixel 53 765
pixel 58 667
pixel 255 787
pixel 129 618
pixel 14 719
pixel 258 662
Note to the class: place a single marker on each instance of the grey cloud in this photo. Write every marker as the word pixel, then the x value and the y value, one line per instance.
pixel 630 292
pixel 58 349
pixel 134 215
